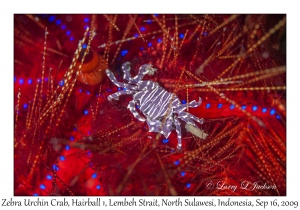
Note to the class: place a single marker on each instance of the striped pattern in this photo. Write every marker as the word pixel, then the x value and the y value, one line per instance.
pixel 154 104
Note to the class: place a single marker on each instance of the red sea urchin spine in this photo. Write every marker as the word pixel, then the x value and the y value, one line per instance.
pixel 72 141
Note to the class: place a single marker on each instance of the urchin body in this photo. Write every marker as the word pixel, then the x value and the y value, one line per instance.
pixel 160 108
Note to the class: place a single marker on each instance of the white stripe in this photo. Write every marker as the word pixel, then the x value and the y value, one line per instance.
pixel 150 95
pixel 162 106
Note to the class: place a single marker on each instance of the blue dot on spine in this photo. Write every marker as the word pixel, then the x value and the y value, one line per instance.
pixel 183 101
pixel 86 20
pixel 58 22
pixel 67 147
pixel 207 106
pixel 231 106
pixel 219 106
pixel 124 52
pixel 49 177
pixel 182 173
pixel 42 186
pixel 254 108
pixel 244 107
pixel 21 81
pixel 86 112
pixel 143 29
pixel 176 162
pixel 62 158
pixel 272 112
pixel 149 44
pixel 55 167
pixel 35 194
pixel 51 18
pixel 278 117
pixel 63 27
pixel 72 38
pixel 68 32
pixel 94 176
pixel 181 36
pixel 159 40
pixel 61 83
pixel 188 185
pixel 165 141
pixel 84 46
pixel 98 187
pixel 264 110
pixel 25 106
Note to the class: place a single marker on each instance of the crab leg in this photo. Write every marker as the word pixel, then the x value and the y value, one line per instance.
pixel 116 95
pixel 131 107
pixel 143 70
pixel 147 85
pixel 192 104
pixel 178 131
pixel 126 70
pixel 112 78
pixel 185 115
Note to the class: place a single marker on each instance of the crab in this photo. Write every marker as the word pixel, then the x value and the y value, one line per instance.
pixel 158 107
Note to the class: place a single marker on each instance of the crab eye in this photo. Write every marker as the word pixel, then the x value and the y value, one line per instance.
pixel 126 66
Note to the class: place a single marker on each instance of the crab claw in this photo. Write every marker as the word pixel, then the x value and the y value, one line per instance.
pixel 150 70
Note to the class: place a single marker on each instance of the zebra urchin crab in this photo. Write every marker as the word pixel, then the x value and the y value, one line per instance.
pixel 154 102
